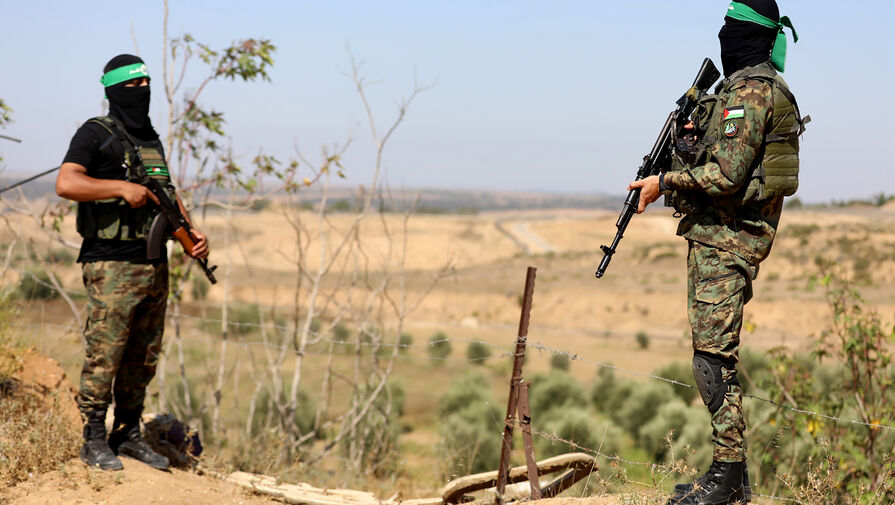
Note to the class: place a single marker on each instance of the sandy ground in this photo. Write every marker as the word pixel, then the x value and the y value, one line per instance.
pixel 75 484
pixel 643 291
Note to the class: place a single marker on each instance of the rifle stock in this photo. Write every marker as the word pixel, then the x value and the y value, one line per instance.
pixel 658 158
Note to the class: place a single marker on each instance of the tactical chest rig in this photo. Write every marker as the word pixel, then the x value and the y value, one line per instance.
pixel 113 218
pixel 776 169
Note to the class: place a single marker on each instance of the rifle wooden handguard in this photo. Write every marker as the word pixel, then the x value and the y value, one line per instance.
pixel 185 239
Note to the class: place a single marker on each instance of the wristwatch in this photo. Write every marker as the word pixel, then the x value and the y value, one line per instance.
pixel 664 190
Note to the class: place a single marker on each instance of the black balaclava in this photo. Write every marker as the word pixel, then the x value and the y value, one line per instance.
pixel 745 44
pixel 130 105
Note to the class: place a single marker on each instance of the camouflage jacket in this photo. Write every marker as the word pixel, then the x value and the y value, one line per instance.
pixel 721 218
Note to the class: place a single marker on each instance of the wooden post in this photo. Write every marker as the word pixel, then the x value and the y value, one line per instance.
pixel 515 384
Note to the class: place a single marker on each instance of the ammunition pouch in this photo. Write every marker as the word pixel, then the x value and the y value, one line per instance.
pixel 693 149
pixel 776 168
pixel 114 218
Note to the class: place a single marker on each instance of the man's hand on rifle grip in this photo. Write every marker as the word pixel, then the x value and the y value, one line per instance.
pixel 201 248
pixel 649 191
pixel 136 195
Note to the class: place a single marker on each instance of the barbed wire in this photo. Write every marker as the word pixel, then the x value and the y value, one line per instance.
pixel 504 353
pixel 573 356
pixel 553 437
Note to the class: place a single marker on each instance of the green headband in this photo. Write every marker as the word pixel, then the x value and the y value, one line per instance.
pixel 743 12
pixel 125 73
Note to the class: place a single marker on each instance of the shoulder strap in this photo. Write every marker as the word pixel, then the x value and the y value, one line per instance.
pixel 798 128
pixel 125 141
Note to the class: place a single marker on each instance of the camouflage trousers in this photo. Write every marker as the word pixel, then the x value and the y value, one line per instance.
pixel 125 320
pixel 719 283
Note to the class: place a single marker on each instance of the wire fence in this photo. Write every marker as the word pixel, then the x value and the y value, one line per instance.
pixel 502 353
pixel 400 350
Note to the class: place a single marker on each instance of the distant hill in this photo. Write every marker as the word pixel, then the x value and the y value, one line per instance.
pixel 434 201
pixel 449 201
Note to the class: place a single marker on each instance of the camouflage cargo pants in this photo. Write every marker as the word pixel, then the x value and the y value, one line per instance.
pixel 125 320
pixel 719 283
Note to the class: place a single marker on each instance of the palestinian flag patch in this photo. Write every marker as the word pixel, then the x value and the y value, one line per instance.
pixel 734 113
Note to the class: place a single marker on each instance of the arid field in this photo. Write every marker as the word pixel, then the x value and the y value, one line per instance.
pixel 462 275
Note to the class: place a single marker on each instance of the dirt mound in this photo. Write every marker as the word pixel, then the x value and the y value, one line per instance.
pixel 44 377
pixel 137 483
pixel 41 386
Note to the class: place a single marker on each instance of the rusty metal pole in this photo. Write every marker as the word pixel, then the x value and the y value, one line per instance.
pixel 527 442
pixel 515 383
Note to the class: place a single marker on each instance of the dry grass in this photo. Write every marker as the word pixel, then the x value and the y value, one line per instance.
pixel 34 437
pixel 643 291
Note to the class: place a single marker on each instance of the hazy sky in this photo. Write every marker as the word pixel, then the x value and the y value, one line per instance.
pixel 562 96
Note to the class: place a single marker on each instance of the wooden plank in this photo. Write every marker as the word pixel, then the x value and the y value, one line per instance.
pixel 477 482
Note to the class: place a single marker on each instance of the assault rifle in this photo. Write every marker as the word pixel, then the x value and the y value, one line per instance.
pixel 169 220
pixel 659 158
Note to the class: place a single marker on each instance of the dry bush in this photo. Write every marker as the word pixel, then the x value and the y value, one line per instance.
pixel 34 436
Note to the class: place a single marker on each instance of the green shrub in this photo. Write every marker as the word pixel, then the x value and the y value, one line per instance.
pixel 560 362
pixel 266 412
pixel 341 333
pixel 576 425
pixel 642 404
pixel 62 255
pixel 376 435
pixel 753 367
pixel 470 439
pixel 198 288
pixel 642 339
pixel 466 390
pixel 556 390
pixel 477 353
pixel 471 426
pixel 36 285
pixel 404 342
pixel 860 342
pixel 340 206
pixel 608 393
pixel 260 204
pixel 690 429
pixel 680 371
pixel 242 320
pixel 439 346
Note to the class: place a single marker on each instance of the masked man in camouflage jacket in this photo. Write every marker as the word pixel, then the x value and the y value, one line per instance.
pixel 126 291
pixel 731 186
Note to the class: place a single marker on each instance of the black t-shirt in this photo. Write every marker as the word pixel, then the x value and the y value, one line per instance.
pixel 84 150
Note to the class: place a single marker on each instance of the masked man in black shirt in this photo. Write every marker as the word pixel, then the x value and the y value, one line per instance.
pixel 126 290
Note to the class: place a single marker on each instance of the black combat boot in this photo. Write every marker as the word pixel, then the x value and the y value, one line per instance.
pixel 722 484
pixel 127 440
pixel 96 451
pixel 682 489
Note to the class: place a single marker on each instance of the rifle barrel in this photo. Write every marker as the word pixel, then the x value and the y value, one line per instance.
pixel 658 158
